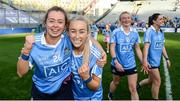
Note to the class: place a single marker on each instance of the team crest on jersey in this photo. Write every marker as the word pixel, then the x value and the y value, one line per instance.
pixel 67 51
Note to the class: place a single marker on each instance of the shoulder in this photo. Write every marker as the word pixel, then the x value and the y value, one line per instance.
pixel 117 30
pixel 149 31
pixel 95 51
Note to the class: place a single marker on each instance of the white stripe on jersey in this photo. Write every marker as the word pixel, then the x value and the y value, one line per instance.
pixel 95 52
pixel 94 68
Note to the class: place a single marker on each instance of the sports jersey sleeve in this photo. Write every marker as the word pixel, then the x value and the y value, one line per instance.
pixel 95 55
pixel 97 71
pixel 147 37
pixel 112 37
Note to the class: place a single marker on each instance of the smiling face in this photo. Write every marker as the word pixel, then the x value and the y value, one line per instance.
pixel 78 33
pixel 159 21
pixel 125 19
pixel 55 23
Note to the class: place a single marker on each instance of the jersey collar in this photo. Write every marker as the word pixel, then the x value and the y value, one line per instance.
pixel 154 28
pixel 43 41
pixel 122 29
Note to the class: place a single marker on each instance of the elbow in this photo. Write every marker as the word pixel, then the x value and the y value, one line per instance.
pixel 96 87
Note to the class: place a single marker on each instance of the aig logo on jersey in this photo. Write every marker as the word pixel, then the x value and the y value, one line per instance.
pixel 57 69
pixel 125 47
pixel 158 45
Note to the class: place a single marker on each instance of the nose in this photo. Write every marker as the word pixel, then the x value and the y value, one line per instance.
pixel 77 35
pixel 56 24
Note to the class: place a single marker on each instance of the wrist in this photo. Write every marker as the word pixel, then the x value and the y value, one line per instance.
pixel 114 58
pixel 166 58
pixel 24 57
pixel 25 51
pixel 88 80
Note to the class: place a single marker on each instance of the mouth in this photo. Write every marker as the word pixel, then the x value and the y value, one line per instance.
pixel 77 41
pixel 55 30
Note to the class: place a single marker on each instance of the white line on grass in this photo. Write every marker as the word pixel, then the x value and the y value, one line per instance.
pixel 167 81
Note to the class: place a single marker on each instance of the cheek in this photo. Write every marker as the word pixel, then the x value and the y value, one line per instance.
pixel 62 25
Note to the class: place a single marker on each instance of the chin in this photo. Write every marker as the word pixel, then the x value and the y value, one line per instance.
pixel 76 45
pixel 55 35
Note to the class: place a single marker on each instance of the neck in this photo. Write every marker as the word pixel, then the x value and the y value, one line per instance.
pixel 126 28
pixel 51 40
pixel 156 27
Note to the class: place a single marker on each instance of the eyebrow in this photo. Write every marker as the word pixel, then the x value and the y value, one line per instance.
pixel 55 19
pixel 80 29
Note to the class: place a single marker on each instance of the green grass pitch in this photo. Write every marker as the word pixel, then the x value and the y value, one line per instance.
pixel 13 87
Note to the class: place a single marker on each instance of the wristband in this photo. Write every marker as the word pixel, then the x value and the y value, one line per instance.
pixel 166 58
pixel 88 80
pixel 113 59
pixel 24 57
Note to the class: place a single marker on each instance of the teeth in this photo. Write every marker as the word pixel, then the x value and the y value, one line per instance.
pixel 77 41
pixel 55 30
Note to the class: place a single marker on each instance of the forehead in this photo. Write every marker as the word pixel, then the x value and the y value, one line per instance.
pixel 78 24
pixel 160 17
pixel 56 15
pixel 125 15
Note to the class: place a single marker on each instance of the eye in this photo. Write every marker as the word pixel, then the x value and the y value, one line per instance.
pixel 82 32
pixel 51 21
pixel 60 22
pixel 72 31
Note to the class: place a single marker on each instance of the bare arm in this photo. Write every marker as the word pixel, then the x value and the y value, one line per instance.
pixel 112 51
pixel 164 52
pixel 94 81
pixel 166 56
pixel 145 53
pixel 138 52
pixel 113 55
pixel 23 65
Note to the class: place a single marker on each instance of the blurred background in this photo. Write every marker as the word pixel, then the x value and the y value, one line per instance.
pixel 19 18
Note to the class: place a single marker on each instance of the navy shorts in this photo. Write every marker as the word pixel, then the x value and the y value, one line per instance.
pixel 152 67
pixel 126 72
pixel 64 93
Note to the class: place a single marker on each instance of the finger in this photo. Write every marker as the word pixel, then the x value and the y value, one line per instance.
pixel 79 70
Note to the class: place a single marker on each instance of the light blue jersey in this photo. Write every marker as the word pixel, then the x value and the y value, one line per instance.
pixel 80 89
pixel 51 63
pixel 106 32
pixel 94 31
pixel 156 41
pixel 124 44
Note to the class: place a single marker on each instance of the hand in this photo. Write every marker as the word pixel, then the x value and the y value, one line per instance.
pixel 28 44
pixel 146 67
pixel 118 66
pixel 168 63
pixel 83 71
pixel 103 60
